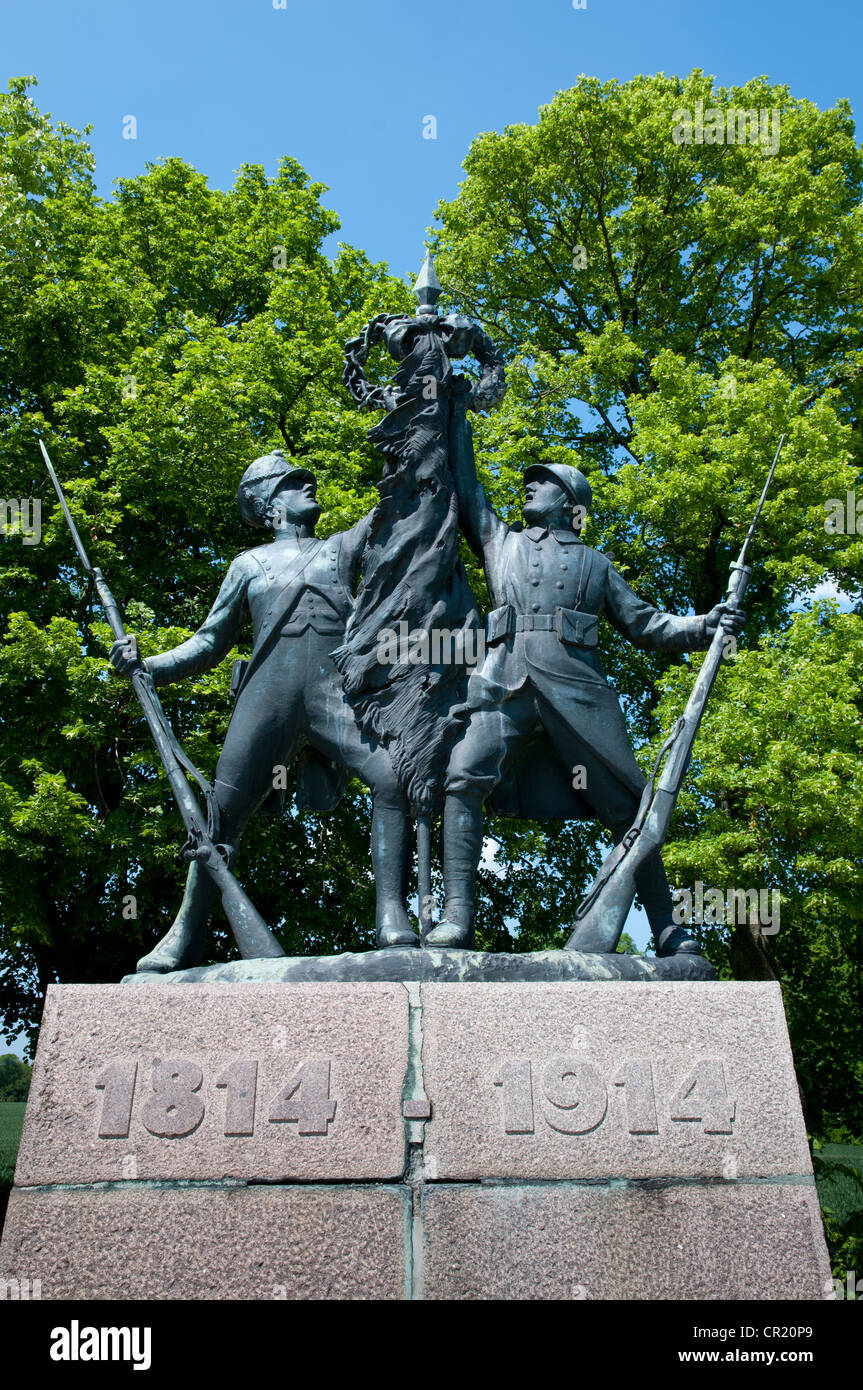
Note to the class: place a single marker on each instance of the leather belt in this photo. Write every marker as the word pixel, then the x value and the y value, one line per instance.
pixel 535 622
pixel 324 627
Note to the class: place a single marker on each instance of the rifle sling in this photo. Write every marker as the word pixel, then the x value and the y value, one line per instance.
pixel 185 762
pixel 612 860
pixel 265 641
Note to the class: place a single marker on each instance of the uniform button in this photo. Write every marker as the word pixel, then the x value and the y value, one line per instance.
pixel 559 584
pixel 535 607
pixel 535 563
pixel 564 567
pixel 535 583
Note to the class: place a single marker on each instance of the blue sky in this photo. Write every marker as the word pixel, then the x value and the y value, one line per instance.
pixel 344 87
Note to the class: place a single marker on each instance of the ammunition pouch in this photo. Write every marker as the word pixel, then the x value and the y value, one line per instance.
pixel 499 624
pixel 238 670
pixel 576 629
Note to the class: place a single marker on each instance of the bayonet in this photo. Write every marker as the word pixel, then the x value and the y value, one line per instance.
pixel 601 915
pixel 252 935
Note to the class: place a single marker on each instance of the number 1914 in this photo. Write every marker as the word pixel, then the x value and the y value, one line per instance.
pixel 574 1096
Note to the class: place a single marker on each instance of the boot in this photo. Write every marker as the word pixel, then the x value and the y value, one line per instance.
pixel 669 938
pixel 462 846
pixel 183 945
pixel 391 848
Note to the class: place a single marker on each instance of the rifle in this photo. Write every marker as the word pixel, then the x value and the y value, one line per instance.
pixel 602 913
pixel 251 933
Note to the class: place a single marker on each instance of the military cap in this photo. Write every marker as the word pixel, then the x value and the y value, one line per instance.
pixel 573 482
pixel 261 481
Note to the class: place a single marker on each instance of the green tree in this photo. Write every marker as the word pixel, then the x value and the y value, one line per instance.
pixel 668 311
pixel 158 342
pixel 14 1077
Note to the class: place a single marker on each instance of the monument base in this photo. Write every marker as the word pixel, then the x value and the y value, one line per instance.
pixel 407 963
pixel 539 1140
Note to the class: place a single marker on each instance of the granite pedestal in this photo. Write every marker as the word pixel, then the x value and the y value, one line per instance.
pixel 636 1139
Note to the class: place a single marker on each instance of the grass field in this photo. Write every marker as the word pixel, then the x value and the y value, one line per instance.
pixel 11 1120
pixel 837 1189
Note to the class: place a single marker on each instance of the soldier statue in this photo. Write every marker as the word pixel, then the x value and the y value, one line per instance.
pixel 542 682
pixel 299 591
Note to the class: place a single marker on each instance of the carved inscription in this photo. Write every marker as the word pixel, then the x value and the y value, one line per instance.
pixel 240 1081
pixel 175 1108
pixel 704 1097
pixel 637 1079
pixel 574 1096
pixel 118 1083
pixel 305 1099
pixel 177 1098
pixel 514 1078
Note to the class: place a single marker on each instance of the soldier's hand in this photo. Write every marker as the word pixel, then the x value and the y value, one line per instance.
pixel 460 392
pixel 730 618
pixel 460 401
pixel 124 655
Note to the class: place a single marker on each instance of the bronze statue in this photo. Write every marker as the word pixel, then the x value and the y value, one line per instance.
pixel 533 730
pixel 542 682
pixel 298 590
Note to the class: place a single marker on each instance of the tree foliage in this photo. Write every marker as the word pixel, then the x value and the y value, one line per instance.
pixel 667 311
pixel 14 1077
pixel 158 342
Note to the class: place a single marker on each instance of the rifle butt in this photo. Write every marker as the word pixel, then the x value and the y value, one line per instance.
pixel 600 928
pixel 251 933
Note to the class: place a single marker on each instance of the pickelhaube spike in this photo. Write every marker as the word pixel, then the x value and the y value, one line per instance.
pixel 428 287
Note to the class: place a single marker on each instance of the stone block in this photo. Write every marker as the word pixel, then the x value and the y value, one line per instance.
pixel 558 1241
pixel 253 1082
pixel 583 1080
pixel 209 1242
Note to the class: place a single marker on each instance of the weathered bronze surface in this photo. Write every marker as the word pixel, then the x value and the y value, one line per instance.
pixel 369 658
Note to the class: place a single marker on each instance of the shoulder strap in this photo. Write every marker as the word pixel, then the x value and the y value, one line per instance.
pixel 583 578
pixel 277 608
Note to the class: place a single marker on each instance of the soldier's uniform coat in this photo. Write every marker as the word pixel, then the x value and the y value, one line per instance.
pixel 290 701
pixel 542 680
